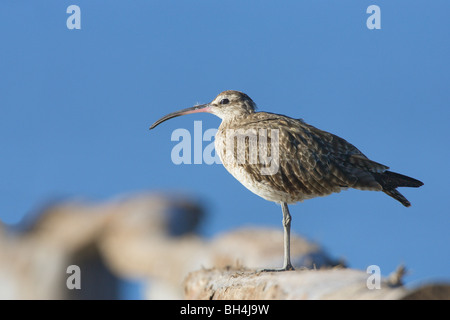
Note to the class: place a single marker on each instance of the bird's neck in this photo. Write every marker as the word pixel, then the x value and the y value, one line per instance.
pixel 234 118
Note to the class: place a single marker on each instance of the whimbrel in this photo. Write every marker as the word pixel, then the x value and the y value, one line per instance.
pixel 308 162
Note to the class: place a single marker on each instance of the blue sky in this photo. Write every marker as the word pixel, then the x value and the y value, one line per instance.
pixel 76 105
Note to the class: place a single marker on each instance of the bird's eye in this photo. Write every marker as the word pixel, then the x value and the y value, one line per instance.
pixel 224 101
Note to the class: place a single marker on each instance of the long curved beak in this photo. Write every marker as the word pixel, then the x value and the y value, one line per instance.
pixel 194 109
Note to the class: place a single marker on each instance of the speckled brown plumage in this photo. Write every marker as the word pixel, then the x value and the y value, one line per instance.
pixel 312 162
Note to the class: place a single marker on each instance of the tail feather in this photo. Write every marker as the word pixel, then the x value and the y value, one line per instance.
pixel 398 196
pixel 390 181
pixel 398 180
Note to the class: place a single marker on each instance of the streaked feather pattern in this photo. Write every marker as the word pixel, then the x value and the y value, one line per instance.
pixel 312 162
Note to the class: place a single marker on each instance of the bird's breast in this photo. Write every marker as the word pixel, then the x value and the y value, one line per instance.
pixel 252 156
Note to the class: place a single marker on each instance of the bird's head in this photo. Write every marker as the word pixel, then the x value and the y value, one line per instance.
pixel 228 104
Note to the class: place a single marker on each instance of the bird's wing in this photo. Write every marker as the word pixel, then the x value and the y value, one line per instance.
pixel 343 150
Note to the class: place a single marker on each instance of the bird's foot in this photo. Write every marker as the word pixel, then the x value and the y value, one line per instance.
pixel 288 267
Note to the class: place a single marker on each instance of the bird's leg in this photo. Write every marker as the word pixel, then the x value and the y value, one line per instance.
pixel 287 237
pixel 287 241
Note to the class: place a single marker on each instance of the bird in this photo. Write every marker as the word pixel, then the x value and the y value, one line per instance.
pixel 286 160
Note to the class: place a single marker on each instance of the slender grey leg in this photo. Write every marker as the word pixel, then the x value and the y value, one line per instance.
pixel 287 241
pixel 287 237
